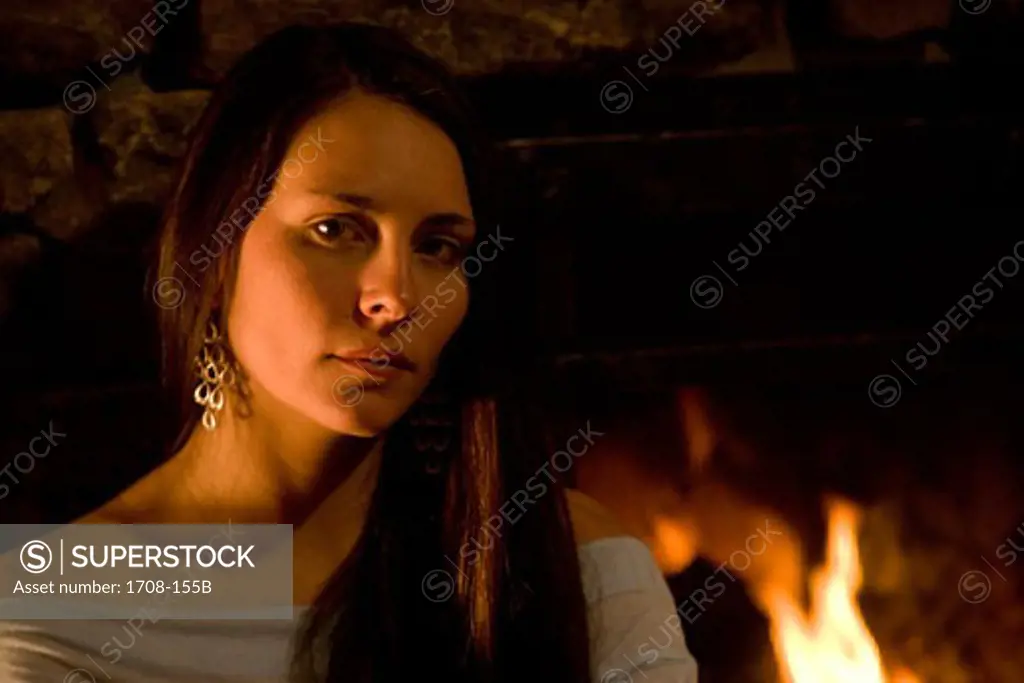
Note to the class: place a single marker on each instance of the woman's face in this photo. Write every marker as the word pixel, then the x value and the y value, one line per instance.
pixel 349 282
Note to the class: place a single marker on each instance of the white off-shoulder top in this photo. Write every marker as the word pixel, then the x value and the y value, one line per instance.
pixel 636 637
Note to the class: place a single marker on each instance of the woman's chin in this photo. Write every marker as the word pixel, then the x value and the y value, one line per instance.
pixel 368 417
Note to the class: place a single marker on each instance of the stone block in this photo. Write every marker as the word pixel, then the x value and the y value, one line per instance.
pixel 702 34
pixel 882 19
pixel 144 134
pixel 55 39
pixel 37 152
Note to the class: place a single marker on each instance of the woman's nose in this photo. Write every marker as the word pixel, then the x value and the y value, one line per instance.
pixel 388 293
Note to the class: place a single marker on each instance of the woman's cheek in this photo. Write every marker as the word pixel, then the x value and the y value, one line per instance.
pixel 330 283
pixel 437 315
pixel 448 290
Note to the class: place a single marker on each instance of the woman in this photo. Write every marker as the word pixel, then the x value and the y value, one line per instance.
pixel 331 223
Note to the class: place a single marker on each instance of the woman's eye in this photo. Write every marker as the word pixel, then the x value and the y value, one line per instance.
pixel 334 230
pixel 443 249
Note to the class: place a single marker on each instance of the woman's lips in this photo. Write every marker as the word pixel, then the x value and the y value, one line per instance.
pixel 377 370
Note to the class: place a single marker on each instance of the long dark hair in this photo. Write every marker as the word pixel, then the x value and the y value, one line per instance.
pixel 515 608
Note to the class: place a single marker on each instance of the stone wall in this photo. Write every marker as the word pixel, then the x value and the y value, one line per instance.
pixel 99 96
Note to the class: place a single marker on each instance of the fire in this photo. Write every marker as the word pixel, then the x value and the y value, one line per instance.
pixel 674 544
pixel 700 437
pixel 831 644
pixel 827 643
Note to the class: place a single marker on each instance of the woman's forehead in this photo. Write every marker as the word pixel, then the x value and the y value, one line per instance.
pixel 370 146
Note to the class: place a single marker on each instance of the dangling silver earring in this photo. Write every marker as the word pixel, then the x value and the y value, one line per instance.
pixel 214 373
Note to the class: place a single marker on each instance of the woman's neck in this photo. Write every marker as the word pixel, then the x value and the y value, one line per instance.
pixel 273 466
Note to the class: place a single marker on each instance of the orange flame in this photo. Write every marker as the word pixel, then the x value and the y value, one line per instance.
pixel 700 436
pixel 831 644
pixel 674 543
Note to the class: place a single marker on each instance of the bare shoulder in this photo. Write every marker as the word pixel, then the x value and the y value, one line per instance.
pixel 127 507
pixel 102 515
pixel 114 511
pixel 592 521
pixel 145 500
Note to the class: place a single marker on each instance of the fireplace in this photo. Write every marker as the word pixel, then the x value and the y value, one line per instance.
pixel 810 535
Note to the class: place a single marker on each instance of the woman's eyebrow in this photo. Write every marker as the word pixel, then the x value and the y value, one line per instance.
pixel 365 203
pixel 448 219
